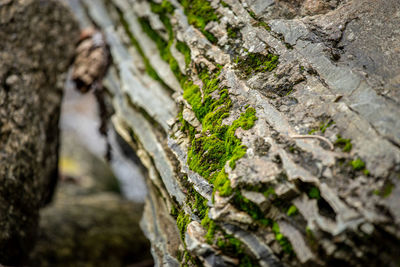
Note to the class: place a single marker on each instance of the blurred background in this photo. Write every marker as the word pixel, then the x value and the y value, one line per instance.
pixel 94 216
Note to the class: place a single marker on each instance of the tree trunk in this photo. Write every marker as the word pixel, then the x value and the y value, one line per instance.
pixel 37 43
pixel 270 129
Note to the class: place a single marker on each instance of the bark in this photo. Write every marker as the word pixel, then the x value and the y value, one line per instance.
pixel 37 44
pixel 269 129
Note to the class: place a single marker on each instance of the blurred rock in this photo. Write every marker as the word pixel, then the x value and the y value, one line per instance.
pixel 37 43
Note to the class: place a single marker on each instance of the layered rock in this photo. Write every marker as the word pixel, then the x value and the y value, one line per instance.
pixel 269 129
pixel 37 44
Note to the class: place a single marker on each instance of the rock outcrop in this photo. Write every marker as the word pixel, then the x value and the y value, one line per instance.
pixel 37 44
pixel 270 129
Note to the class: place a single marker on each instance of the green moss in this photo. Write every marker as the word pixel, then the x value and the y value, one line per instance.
pixel 357 164
pixel 174 212
pixel 162 45
pixel 314 193
pixel 230 243
pixel 164 7
pixel 325 126
pixel 345 144
pixel 312 131
pixel 199 14
pixel 185 50
pixel 208 153
pixel 269 192
pixel 322 127
pixel 292 210
pixel 385 191
pixel 264 25
pixel 253 15
pixel 182 222
pixel 283 241
pixel 197 203
pixel 233 32
pixel 186 127
pixel 256 62
pixel 210 227
pixel 148 68
pixel 217 144
pixel 224 4
pixel 249 207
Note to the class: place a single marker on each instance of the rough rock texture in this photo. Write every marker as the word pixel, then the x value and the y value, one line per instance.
pixel 37 43
pixel 270 129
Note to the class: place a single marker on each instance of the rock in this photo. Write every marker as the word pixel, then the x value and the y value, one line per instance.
pixel 275 136
pixel 37 44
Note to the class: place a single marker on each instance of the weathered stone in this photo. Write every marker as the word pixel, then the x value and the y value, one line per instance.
pixel 37 43
pixel 320 167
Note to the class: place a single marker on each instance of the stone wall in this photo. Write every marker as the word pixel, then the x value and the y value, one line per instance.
pixel 270 129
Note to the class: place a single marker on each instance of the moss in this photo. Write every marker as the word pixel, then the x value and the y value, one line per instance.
pixel 224 4
pixel 210 227
pixel 174 212
pixel 283 241
pixel 269 192
pixel 148 68
pixel 255 62
pixel 314 193
pixel 357 164
pixel 230 243
pixel 162 45
pixel 312 131
pixel 313 241
pixel 249 207
pixel 253 15
pixel 199 14
pixel 164 7
pixel 345 144
pixel 182 222
pixel 217 144
pixel 326 125
pixel 197 203
pixel 322 127
pixel 386 191
pixel 185 50
pixel 264 25
pixel 233 32
pixel 292 210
